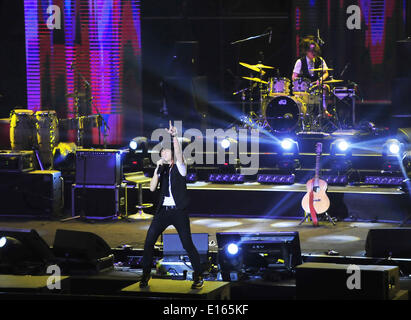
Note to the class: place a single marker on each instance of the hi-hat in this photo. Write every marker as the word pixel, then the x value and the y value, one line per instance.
pixel 321 69
pixel 255 79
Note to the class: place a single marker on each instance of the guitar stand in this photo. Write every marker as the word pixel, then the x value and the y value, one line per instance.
pixel 404 222
pixel 308 215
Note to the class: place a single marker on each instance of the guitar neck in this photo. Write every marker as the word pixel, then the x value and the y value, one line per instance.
pixel 317 168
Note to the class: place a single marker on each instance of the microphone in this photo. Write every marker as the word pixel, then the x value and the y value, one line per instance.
pixel 345 68
pixel 269 37
pixel 71 65
pixel 163 168
pixel 320 41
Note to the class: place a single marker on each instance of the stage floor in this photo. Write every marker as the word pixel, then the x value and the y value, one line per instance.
pixel 347 238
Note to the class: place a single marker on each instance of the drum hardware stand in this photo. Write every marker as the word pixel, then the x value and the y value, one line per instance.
pixel 100 121
pixel 82 197
pixel 80 118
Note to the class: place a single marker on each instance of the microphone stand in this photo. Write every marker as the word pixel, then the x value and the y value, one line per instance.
pixel 265 34
pixel 100 118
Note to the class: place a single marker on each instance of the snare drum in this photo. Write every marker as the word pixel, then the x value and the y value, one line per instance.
pixel 278 86
pixel 22 129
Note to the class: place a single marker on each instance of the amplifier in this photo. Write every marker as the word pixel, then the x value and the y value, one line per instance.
pixel 98 167
pixel 319 281
pixel 37 193
pixel 16 161
pixel 97 202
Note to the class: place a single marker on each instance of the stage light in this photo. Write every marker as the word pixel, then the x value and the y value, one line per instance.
pixel 225 143
pixel 232 249
pixel 254 254
pixel 384 180
pixel 392 147
pixel 3 241
pixel 336 179
pixel 138 144
pixel 276 178
pixel 191 177
pixel 342 145
pixel 287 144
pixel 133 145
pixel 226 178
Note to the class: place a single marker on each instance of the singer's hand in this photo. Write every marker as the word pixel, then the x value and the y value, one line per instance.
pixel 172 130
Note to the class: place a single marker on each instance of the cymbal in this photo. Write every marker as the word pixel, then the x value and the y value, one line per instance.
pixel 333 81
pixel 321 69
pixel 249 66
pixel 256 67
pixel 255 79
pixel 262 66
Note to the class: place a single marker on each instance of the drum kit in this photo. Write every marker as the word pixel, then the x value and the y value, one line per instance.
pixel 287 105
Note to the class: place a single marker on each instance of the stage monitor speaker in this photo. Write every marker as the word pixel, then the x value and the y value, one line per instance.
pixel 391 242
pixel 80 245
pixel 261 250
pixel 23 251
pixel 98 167
pixel 329 281
pixel 79 252
pixel 172 244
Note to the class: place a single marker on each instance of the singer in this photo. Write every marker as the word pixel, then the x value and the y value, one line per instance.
pixel 173 201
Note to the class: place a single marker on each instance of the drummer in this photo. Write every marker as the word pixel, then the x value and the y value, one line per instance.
pixel 312 60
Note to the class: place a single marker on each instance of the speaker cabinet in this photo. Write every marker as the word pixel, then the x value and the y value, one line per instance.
pixel 391 242
pixel 322 281
pixel 82 251
pixel 37 193
pixel 98 167
pixel 97 202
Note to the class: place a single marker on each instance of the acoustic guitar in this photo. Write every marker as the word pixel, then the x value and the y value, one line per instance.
pixel 316 201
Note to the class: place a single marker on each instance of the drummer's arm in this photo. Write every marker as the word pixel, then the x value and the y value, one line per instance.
pixel 294 76
pixel 296 70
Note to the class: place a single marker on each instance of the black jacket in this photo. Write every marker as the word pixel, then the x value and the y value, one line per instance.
pixel 304 69
pixel 178 188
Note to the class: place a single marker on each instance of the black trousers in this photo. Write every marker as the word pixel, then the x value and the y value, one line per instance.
pixel 160 222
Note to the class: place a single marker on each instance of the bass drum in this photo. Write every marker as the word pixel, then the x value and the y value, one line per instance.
pixel 283 113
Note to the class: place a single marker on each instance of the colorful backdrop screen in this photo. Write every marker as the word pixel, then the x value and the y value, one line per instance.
pixel 88 47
